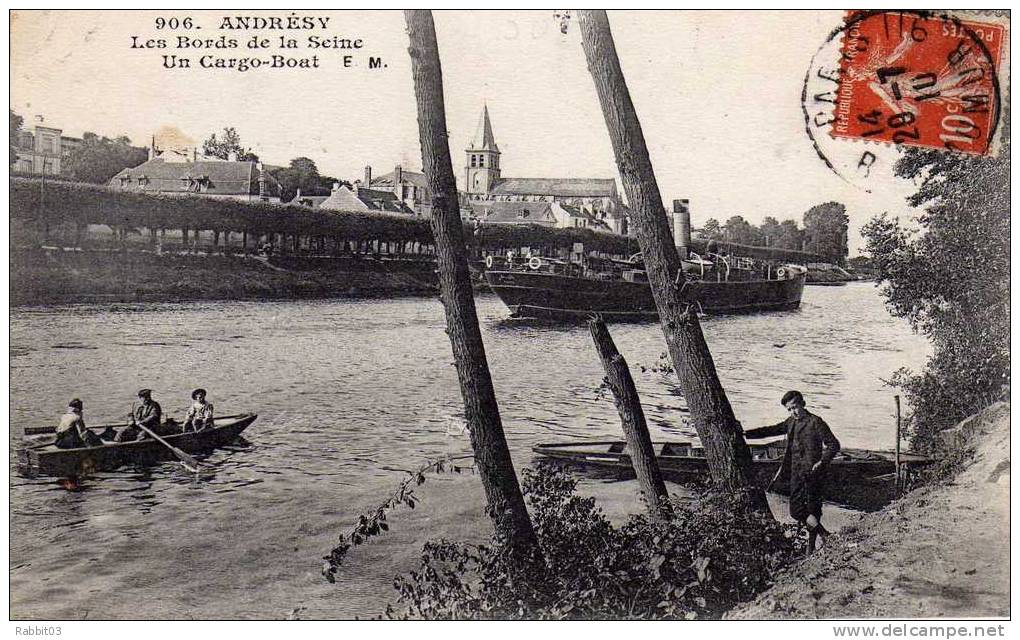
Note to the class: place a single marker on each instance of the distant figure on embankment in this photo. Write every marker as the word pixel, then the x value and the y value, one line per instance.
pixel 810 447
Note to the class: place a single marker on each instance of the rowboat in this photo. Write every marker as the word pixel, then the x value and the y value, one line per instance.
pixel 47 459
pixel 858 478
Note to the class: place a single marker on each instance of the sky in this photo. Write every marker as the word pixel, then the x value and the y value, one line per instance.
pixel 718 95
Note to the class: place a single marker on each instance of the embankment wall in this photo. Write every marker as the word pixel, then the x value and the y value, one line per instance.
pixel 40 277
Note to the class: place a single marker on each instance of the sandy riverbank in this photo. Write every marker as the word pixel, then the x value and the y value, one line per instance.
pixel 938 552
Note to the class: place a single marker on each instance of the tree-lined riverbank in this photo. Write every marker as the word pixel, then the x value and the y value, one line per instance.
pixel 941 551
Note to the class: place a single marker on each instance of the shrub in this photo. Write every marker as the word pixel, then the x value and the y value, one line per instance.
pixel 708 556
pixel 949 278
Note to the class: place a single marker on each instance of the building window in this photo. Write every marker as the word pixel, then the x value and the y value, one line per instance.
pixel 481 161
pixel 474 161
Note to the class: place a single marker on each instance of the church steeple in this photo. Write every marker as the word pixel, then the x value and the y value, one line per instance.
pixel 484 140
pixel 481 170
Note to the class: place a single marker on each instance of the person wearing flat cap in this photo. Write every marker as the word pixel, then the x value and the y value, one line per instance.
pixel 810 447
pixel 146 413
pixel 200 413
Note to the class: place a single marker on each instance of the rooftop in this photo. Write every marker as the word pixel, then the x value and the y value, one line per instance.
pixel 217 177
pixel 561 187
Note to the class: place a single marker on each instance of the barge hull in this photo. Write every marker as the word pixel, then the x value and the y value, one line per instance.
pixel 544 295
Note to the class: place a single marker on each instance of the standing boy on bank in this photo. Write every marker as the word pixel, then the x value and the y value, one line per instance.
pixel 810 447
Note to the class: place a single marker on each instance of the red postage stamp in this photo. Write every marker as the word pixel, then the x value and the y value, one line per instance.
pixel 920 79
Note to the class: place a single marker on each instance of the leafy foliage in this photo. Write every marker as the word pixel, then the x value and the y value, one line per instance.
pixel 90 204
pixel 100 158
pixel 374 523
pixel 302 174
pixel 950 279
pixel 711 230
pixel 825 228
pixel 711 554
pixel 790 236
pixel 771 233
pixel 228 143
pixel 741 231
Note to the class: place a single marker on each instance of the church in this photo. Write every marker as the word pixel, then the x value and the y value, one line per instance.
pixel 486 195
pixel 593 202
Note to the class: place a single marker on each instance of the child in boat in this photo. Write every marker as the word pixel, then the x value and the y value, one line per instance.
pixel 200 413
pixel 71 431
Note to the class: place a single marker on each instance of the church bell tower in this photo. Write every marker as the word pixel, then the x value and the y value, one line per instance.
pixel 481 169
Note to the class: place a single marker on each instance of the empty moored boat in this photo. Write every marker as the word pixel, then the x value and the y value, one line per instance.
pixel 857 477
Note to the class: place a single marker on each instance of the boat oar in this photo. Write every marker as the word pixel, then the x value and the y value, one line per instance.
pixel 189 463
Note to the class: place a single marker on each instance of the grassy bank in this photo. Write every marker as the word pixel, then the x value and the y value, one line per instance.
pixel 57 277
pixel 941 551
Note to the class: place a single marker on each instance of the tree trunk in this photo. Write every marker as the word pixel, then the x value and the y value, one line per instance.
pixel 492 455
pixel 729 459
pixel 632 417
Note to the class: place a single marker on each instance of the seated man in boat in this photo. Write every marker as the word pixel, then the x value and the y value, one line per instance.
pixel 71 431
pixel 200 413
pixel 810 447
pixel 147 413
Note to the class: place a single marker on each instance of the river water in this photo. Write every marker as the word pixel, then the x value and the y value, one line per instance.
pixel 349 393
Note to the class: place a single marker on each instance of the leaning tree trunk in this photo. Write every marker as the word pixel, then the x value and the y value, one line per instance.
pixel 729 459
pixel 492 455
pixel 632 419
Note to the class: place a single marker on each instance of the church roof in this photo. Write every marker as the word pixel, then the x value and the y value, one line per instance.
pixel 484 140
pixel 412 177
pixel 561 187
pixel 220 177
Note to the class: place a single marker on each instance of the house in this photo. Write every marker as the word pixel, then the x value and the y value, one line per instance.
pixel 310 201
pixel 344 198
pixel 541 212
pixel 224 179
pixel 410 187
pixel 483 180
pixel 43 150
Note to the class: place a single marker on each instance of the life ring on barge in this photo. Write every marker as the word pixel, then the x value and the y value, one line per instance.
pixel 535 263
